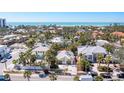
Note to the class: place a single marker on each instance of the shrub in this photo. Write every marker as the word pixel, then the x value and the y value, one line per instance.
pixel 76 78
pixel 7 76
pixel 104 69
pixel 98 78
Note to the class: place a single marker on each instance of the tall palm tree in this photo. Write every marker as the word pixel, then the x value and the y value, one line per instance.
pixel 27 74
pixel 22 58
pixel 109 48
pixel 82 63
pixel 100 58
pixel 108 59
pixel 30 43
pixel 7 77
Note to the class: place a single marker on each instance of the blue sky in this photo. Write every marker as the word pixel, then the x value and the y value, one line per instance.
pixel 63 16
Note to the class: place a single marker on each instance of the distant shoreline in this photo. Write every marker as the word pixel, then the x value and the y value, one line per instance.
pixel 65 23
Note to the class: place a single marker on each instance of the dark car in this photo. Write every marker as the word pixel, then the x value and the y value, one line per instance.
pixel 8 56
pixel 43 75
pixel 93 74
pixel 3 78
pixel 105 75
pixel 121 75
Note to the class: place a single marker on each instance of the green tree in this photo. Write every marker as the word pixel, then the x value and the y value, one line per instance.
pixel 100 58
pixel 83 64
pixel 7 76
pixel 98 78
pixel 27 74
pixel 119 55
pixel 27 58
pixel 76 78
pixel 30 43
pixel 15 62
pixel 109 48
pixel 73 48
pixel 22 59
pixel 53 77
pixel 108 59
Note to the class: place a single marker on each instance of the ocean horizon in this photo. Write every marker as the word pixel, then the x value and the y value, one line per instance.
pixel 64 23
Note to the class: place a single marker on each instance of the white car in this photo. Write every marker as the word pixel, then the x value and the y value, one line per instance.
pixel 3 60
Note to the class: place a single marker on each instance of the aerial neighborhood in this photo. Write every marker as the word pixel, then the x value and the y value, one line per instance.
pixel 61 53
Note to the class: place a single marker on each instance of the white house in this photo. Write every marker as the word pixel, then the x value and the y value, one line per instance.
pixel 57 40
pixel 18 46
pixel 40 50
pixel 10 37
pixel 91 52
pixel 65 57
pixel 101 42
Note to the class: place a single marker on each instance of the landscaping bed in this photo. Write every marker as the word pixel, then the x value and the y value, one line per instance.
pixel 104 69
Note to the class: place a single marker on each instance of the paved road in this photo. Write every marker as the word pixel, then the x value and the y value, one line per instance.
pixel 15 55
pixel 37 78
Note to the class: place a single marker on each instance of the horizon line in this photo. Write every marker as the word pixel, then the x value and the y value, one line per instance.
pixel 65 22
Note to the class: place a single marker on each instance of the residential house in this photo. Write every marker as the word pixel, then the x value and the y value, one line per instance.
pixel 9 39
pixel 59 40
pixel 40 50
pixel 101 42
pixel 18 46
pixel 91 52
pixel 66 57
pixel 52 29
pixel 119 34
pixel 96 34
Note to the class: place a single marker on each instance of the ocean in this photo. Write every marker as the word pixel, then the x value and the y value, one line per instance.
pixel 63 23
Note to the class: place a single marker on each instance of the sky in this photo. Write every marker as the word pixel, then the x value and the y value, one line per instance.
pixel 63 16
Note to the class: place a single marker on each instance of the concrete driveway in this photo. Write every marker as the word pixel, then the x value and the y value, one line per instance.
pixel 15 55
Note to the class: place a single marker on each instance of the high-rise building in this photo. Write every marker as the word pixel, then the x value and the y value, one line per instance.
pixel 2 22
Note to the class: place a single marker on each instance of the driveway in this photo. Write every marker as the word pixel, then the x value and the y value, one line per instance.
pixel 15 55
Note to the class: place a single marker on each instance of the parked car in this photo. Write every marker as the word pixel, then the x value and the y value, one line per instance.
pixel 3 78
pixel 3 60
pixel 93 74
pixel 9 56
pixel 46 71
pixel 42 75
pixel 121 75
pixel 106 75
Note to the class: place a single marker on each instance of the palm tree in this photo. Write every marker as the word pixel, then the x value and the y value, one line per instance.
pixel 53 77
pixel 65 71
pixel 82 63
pixel 15 62
pixel 7 76
pixel 100 58
pixel 30 43
pixel 22 58
pixel 108 59
pixel 109 48
pixel 27 74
